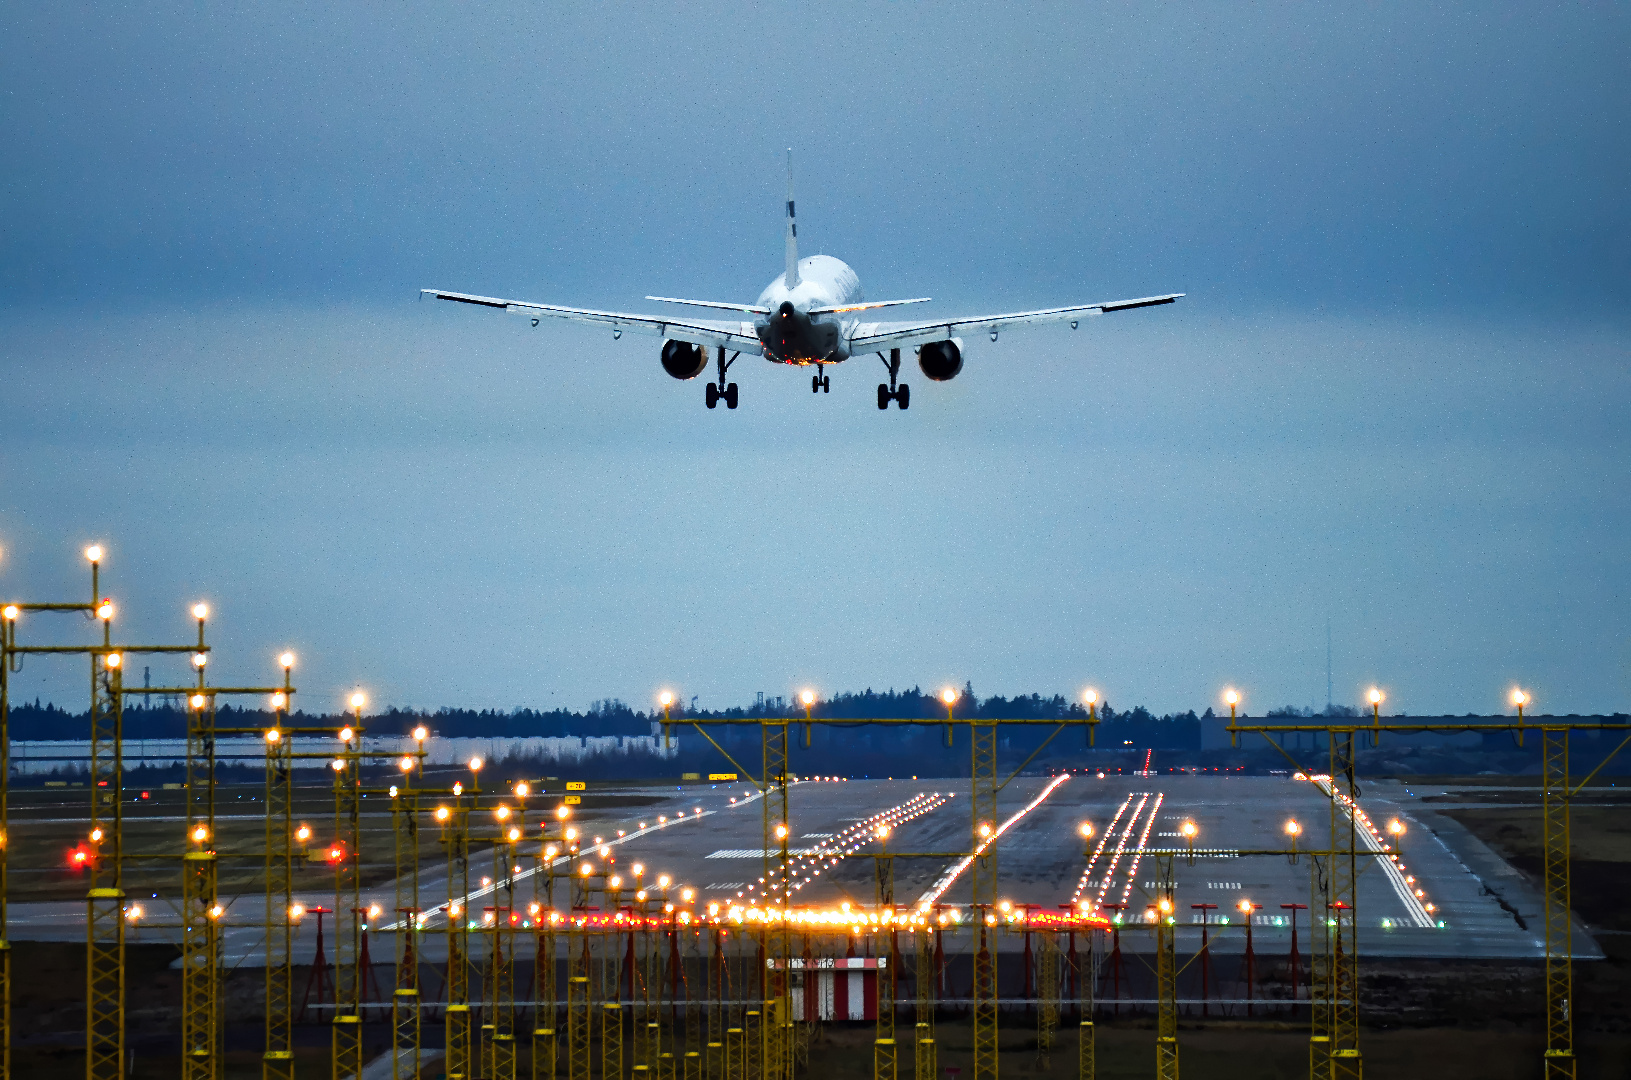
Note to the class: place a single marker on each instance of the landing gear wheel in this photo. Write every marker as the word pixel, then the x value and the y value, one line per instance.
pixel 903 396
pixel 713 395
pixel 826 383
pixel 815 384
pixel 730 396
pixel 884 395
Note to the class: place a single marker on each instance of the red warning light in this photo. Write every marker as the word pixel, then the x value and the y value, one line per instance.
pixel 145 795
pixel 81 857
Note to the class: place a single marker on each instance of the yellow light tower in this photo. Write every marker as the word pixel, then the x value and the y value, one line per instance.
pixel 1086 1050
pixel 884 1050
pixel 200 938
pixel 406 1001
pixel 277 1060
pixel 1166 971
pixel 348 927
pixel 1559 1056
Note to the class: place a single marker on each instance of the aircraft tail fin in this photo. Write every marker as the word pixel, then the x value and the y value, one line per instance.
pixel 792 229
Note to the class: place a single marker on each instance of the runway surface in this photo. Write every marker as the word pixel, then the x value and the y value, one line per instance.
pixel 708 838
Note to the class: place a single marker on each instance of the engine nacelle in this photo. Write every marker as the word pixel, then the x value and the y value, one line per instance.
pixel 941 360
pixel 684 360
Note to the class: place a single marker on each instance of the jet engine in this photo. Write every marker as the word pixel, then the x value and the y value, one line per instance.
pixel 941 360
pixel 684 360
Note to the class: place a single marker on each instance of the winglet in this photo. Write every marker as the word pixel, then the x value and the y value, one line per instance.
pixel 792 229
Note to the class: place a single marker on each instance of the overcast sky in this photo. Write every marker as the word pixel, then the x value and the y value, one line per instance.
pixel 1395 398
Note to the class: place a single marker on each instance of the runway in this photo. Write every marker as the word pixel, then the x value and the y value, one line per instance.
pixel 708 839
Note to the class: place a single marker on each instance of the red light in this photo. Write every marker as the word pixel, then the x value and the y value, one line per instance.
pixel 101 783
pixel 144 794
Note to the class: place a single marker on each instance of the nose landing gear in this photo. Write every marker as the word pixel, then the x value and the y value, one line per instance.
pixel 820 384
pixel 721 390
pixel 902 394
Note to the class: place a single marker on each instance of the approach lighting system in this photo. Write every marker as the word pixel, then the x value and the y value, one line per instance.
pixel 200 659
pixel 1375 696
pixel 338 765
pixel 201 612
pixel 1086 829
pixel 442 813
pixel 280 700
pixel 522 790
pixel 475 764
pixel 104 610
pixel 1231 697
pixel 1519 698
pixel 11 612
pixel 286 660
pixel 273 735
pixel 665 699
pixel 948 696
pixel 420 734
pixel 198 701
pixel 359 699
pixel 406 764
pixel 113 659
pixel 347 734
pixel 808 697
pixel 94 553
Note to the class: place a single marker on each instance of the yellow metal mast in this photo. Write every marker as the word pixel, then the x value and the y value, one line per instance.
pixel 406 1000
pixel 277 1062
pixel 1166 972
pixel 924 1063
pixel 983 877
pixel 105 916
pixel 455 822
pixel 1346 1062
pixel 200 913
pixel 348 929
pixel 1559 1055
pixel 885 1053
pixel 1047 996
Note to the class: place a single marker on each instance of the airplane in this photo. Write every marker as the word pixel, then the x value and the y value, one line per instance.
pixel 809 316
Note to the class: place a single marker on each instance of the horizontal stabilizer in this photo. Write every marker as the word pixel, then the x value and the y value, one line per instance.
pixel 866 307
pixel 712 304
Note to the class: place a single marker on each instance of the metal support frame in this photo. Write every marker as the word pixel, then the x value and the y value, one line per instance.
pixel 775 1043
pixel 925 1065
pixel 277 1061
pixel 456 1016
pixel 885 1051
pixel 1555 844
pixel 346 1044
pixel 406 1036
pixel 1047 996
pixel 1166 972
pixel 1342 966
pixel 105 902
pixel 200 914
pixel 983 881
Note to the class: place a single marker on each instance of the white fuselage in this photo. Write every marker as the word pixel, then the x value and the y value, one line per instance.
pixel 789 333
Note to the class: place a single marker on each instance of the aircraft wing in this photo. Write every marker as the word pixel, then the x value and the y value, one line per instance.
pixel 733 335
pixel 868 336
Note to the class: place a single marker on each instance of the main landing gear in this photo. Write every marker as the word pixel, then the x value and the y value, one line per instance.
pixel 820 384
pixel 721 390
pixel 902 394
